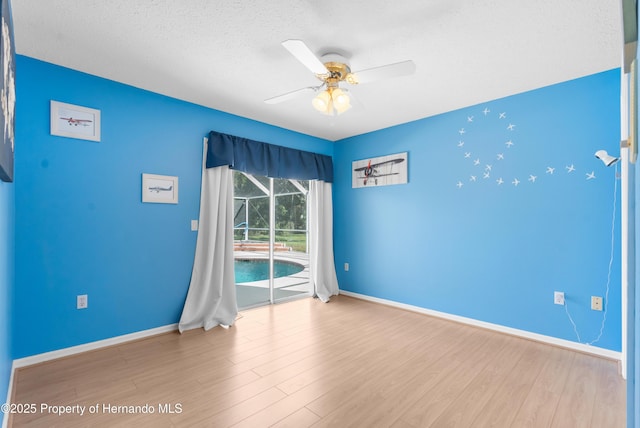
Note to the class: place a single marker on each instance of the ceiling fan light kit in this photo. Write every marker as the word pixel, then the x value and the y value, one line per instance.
pixel 332 101
pixel 332 69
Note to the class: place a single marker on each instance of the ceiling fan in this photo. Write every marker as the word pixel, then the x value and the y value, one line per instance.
pixel 332 69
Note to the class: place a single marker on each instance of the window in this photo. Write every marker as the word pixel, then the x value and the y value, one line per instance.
pixel 271 257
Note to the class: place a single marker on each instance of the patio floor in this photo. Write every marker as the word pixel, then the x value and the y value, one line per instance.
pixel 256 293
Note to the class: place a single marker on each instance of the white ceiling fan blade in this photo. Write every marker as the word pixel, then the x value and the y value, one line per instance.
pixel 289 95
pixel 398 69
pixel 303 54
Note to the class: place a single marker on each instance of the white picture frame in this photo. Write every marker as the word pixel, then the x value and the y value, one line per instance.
pixel 380 171
pixel 68 120
pixel 159 189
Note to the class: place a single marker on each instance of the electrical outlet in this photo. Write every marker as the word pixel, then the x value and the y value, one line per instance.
pixel 82 301
pixel 558 297
pixel 346 267
pixel 194 225
pixel 596 303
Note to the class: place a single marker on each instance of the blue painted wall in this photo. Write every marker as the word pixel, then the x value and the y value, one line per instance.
pixel 80 225
pixel 6 284
pixel 488 251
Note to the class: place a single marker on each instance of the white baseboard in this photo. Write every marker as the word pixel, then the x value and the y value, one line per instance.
pixel 594 350
pixel 47 356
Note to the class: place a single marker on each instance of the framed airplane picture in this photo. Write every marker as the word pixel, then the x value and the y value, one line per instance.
pixel 68 120
pixel 159 189
pixel 8 93
pixel 381 171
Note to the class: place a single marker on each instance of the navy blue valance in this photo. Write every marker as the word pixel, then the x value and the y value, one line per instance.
pixel 267 160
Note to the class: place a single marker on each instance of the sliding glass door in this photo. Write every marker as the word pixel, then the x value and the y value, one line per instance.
pixel 270 239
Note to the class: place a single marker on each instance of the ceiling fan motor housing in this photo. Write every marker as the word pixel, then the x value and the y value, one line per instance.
pixel 338 69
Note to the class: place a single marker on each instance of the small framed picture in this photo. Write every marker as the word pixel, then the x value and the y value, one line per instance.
pixel 159 189
pixel 72 121
pixel 381 171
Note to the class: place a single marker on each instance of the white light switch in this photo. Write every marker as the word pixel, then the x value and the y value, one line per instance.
pixel 194 225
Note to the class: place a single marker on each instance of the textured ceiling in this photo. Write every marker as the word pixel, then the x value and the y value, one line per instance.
pixel 227 54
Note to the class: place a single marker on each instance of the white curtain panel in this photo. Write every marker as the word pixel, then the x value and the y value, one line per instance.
pixel 321 263
pixel 211 299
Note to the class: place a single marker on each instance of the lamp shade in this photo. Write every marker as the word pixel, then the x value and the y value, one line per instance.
pixel 322 102
pixel 341 101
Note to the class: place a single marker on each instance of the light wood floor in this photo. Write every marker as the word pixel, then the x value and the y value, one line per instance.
pixel 342 364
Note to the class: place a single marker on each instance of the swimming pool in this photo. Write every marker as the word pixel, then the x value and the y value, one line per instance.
pixel 249 270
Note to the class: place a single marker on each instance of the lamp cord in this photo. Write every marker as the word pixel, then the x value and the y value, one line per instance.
pixel 606 295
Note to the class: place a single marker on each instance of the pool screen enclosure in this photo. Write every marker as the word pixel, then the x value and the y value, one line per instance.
pixel 270 229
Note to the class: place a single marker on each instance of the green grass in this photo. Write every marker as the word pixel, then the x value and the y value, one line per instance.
pixel 296 240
